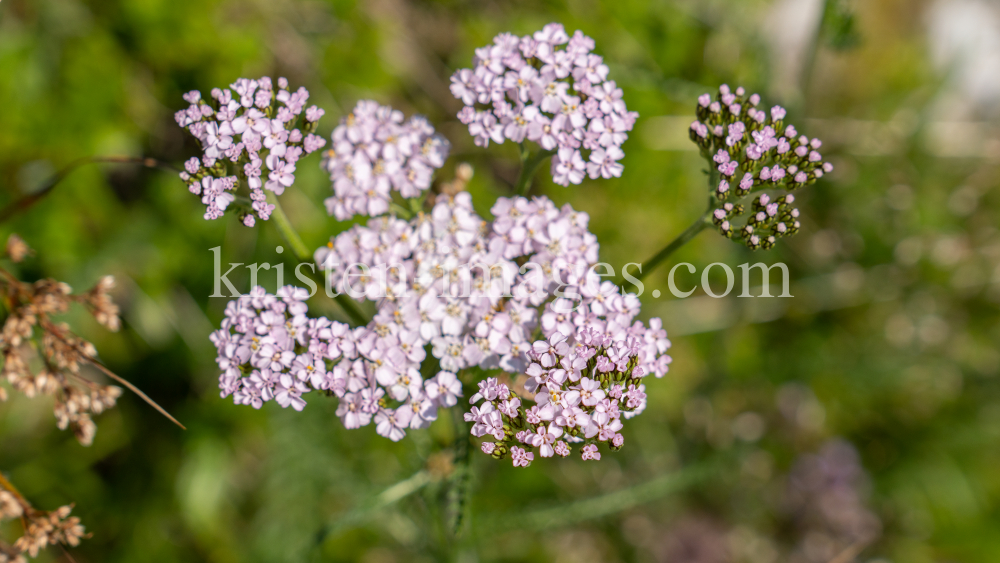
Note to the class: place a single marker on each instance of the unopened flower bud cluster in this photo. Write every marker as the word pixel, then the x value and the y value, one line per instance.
pixel 767 220
pixel 754 150
pixel 252 134
pixel 532 88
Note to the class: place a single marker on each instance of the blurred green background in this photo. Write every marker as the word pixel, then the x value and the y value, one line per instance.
pixel 888 349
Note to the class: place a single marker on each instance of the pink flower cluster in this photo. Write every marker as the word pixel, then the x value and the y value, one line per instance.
pixel 268 348
pixel 560 98
pixel 478 292
pixel 582 386
pixel 753 149
pixel 251 134
pixel 375 153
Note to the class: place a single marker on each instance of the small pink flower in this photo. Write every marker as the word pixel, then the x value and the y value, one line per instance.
pixel 314 113
pixel 562 449
pixel 520 457
pixel 590 452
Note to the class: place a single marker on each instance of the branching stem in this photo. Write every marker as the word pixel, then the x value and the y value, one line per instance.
pixel 10 488
pixel 57 332
pixel 529 165
pixel 293 239
pixel 287 231
pixel 698 226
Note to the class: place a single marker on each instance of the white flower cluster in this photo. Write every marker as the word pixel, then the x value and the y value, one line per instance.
pixel 268 348
pixel 530 88
pixel 480 292
pixel 375 153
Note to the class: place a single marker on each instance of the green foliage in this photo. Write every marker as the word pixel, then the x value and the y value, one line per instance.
pixel 890 342
pixel 840 26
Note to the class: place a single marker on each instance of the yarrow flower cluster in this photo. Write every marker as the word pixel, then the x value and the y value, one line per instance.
pixel 583 387
pixel 374 153
pixel 753 150
pixel 517 295
pixel 478 293
pixel 252 135
pixel 269 349
pixel 560 98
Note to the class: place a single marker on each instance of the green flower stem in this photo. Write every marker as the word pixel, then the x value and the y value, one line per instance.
pixel 698 226
pixel 461 478
pixel 401 211
pixel 287 231
pixel 529 165
pixel 351 309
pixel 417 204
pixel 302 255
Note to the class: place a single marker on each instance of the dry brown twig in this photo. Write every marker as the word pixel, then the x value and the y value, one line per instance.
pixel 43 357
pixel 41 528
